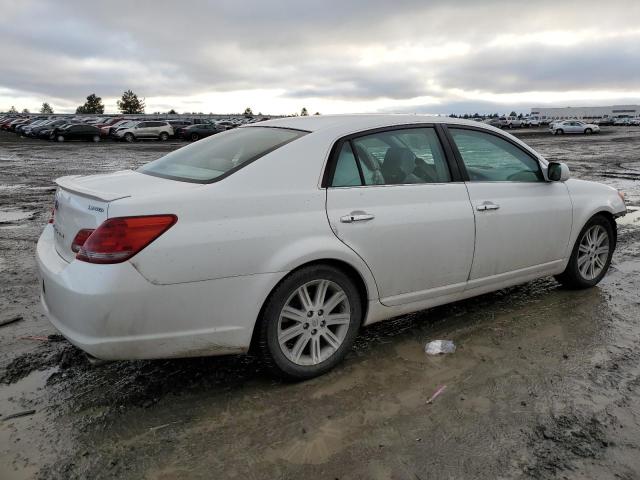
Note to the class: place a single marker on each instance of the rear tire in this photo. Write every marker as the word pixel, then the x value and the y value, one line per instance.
pixel 96 138
pixel 309 322
pixel 195 137
pixel 164 136
pixel 591 255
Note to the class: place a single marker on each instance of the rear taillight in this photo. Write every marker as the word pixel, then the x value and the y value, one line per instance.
pixel 80 239
pixel 118 239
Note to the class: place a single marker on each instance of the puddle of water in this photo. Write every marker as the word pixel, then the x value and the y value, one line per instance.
pixel 14 398
pixel 7 216
pixel 11 187
pixel 631 218
pixel 630 266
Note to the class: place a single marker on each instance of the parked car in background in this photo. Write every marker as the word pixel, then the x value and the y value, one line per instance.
pixel 226 125
pixel 177 125
pixel 532 121
pixel 44 131
pixel 179 259
pixel 513 122
pixel 605 122
pixel 160 130
pixel 111 131
pixel 500 122
pixel 622 122
pixel 25 128
pixel 108 122
pixel 573 126
pixel 78 131
pixel 198 131
pixel 16 123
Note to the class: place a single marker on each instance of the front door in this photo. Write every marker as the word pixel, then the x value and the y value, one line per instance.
pixel 522 221
pixel 392 200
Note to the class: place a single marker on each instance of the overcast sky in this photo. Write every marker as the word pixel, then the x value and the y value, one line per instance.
pixel 277 56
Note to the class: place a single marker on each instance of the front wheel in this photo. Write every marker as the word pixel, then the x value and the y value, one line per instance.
pixel 60 138
pixel 195 137
pixel 588 131
pixel 559 131
pixel 95 138
pixel 129 137
pixel 309 322
pixel 591 255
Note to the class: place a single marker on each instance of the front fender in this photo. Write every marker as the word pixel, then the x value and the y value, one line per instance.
pixel 590 198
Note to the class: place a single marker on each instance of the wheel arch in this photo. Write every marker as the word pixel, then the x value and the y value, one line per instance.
pixel 612 221
pixel 348 269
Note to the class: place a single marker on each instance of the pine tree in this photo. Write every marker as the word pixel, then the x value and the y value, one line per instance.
pixel 13 109
pixel 46 108
pixel 130 103
pixel 248 112
pixel 304 112
pixel 92 105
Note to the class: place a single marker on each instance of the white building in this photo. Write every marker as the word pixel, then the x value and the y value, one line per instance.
pixel 586 113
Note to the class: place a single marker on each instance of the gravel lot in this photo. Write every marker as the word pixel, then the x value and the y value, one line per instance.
pixel 545 382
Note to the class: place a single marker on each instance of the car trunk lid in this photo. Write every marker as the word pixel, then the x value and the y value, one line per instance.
pixel 82 202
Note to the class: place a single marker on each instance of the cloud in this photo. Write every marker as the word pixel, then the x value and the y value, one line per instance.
pixel 361 55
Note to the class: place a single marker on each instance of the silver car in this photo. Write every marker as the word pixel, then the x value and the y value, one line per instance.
pixel 573 126
pixel 152 129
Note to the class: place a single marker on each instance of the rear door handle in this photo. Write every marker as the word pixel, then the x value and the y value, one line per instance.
pixel 487 206
pixel 356 217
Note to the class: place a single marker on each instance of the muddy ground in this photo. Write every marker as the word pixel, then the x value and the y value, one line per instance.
pixel 545 382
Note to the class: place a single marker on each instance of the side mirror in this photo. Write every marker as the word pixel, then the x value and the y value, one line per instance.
pixel 558 172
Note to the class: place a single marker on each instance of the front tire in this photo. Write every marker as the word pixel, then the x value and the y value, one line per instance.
pixel 559 131
pixel 60 138
pixel 95 138
pixel 309 322
pixel 195 137
pixel 591 255
pixel 129 137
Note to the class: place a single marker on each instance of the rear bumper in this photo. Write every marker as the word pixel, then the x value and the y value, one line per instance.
pixel 112 312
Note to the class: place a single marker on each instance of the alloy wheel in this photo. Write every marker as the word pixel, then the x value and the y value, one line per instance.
pixel 314 322
pixel 593 252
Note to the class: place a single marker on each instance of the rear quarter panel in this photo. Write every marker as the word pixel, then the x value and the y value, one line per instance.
pixel 267 217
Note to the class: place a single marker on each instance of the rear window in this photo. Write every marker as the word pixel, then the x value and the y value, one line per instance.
pixel 220 155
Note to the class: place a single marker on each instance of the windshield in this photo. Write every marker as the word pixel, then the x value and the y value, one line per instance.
pixel 220 155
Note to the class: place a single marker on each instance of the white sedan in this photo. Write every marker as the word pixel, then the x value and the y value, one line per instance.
pixel 289 235
pixel 573 126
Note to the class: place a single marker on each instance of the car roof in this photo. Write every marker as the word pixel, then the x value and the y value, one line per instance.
pixel 358 122
pixel 336 126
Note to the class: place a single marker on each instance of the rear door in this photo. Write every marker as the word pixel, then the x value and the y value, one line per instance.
pixel 393 199
pixel 522 221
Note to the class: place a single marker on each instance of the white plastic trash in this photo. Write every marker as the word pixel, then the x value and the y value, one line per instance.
pixel 439 346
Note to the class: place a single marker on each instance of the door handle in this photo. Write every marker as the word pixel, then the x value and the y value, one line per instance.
pixel 356 217
pixel 487 206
